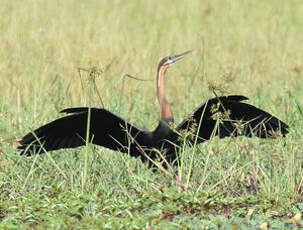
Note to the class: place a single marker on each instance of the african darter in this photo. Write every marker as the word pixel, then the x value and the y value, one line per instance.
pixel 222 116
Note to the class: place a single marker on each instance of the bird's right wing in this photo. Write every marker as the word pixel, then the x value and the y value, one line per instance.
pixel 106 129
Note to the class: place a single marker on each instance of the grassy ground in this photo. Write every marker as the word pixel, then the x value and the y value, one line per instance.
pixel 252 48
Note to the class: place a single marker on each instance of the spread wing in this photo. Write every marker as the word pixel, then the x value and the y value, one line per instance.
pixel 228 116
pixel 106 129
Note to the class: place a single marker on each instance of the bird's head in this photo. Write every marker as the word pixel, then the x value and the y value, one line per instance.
pixel 167 61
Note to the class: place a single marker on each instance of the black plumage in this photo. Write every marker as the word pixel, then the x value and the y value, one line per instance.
pixel 221 116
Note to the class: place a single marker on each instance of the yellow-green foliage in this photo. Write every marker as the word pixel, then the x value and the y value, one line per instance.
pixel 248 47
pixel 249 43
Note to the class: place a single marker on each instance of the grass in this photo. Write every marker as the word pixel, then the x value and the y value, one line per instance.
pixel 241 47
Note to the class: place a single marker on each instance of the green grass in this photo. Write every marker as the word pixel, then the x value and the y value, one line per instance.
pixel 252 48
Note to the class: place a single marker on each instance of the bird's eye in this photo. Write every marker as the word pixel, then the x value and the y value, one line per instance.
pixel 170 60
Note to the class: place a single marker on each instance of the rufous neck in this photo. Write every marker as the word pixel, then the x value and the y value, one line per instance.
pixel 166 112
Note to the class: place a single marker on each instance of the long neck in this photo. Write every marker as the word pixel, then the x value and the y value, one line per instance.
pixel 166 112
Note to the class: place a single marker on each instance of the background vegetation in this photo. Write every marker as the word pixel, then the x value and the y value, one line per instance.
pixel 252 48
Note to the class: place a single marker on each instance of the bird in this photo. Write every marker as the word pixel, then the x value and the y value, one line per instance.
pixel 222 116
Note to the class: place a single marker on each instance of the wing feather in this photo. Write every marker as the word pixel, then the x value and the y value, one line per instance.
pixel 228 116
pixel 106 129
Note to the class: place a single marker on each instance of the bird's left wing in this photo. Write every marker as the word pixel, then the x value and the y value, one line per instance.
pixel 228 116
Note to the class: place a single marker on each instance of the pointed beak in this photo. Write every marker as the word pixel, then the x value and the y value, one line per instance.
pixel 177 57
